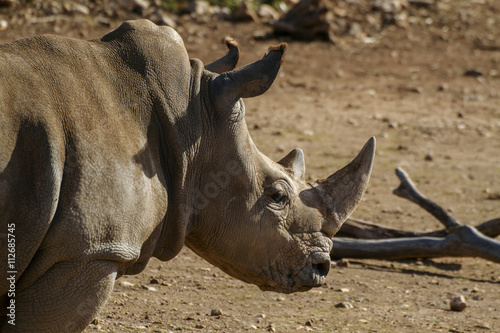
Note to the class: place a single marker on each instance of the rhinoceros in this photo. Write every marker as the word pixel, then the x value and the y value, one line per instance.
pixel 116 150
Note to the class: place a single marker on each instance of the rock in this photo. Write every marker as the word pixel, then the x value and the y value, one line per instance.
pixel 457 303
pixel 344 263
pixel 139 6
pixel 164 19
pixel 154 281
pixel 126 284
pixel 473 73
pixel 3 24
pixel 271 328
pixel 245 13
pixel 53 8
pixel 268 13
pixel 344 305
pixel 429 157
pixel 393 11
pixel 223 13
pixel 443 87
pixel 199 7
pixel 259 35
pixel 392 124
pixel 216 312
pixel 355 30
pixel 80 9
pixel 148 288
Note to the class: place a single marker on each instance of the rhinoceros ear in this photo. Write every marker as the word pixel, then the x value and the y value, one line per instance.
pixel 342 191
pixel 248 81
pixel 294 162
pixel 227 62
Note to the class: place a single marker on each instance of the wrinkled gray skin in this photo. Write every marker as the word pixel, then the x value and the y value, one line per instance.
pixel 117 150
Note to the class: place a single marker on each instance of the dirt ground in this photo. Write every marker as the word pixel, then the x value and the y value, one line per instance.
pixel 407 88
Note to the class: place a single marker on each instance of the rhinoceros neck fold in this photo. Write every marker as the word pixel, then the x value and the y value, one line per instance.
pixel 181 131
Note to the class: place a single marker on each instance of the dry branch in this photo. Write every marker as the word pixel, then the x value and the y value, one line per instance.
pixel 408 191
pixel 463 241
pixel 362 239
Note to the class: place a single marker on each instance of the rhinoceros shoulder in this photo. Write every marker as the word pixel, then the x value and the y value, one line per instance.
pixel 144 31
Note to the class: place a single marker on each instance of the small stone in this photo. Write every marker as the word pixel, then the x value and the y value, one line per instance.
pixel 429 157
pixel 3 24
pixel 344 290
pixel 154 281
pixel 393 124
pixel 352 122
pixel 216 312
pixel 95 321
pixel 223 13
pixel 271 328
pixel 309 323
pixel 268 13
pixel 308 132
pixel 473 73
pixel 457 303
pixel 164 19
pixel 80 9
pixel 259 34
pixel 134 5
pixel 126 284
pixel 261 315
pixel 200 327
pixel 148 288
pixel 344 305
pixel 245 12
pixel 199 7
pixel 443 87
pixel 344 263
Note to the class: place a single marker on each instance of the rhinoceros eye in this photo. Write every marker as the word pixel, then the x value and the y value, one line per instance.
pixel 277 196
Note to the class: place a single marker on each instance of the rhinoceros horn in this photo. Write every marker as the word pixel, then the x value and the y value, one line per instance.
pixel 294 162
pixel 227 62
pixel 248 81
pixel 342 191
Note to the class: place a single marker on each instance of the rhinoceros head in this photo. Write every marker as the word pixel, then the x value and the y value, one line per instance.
pixel 256 219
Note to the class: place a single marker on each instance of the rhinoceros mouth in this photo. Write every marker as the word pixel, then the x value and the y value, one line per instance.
pixel 313 274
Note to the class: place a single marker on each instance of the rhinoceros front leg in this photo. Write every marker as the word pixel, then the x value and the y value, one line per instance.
pixel 65 299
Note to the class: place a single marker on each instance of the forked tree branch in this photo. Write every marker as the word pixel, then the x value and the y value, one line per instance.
pixel 408 191
pixel 363 239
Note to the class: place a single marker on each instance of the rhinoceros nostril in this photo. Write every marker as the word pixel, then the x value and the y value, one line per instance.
pixel 322 268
